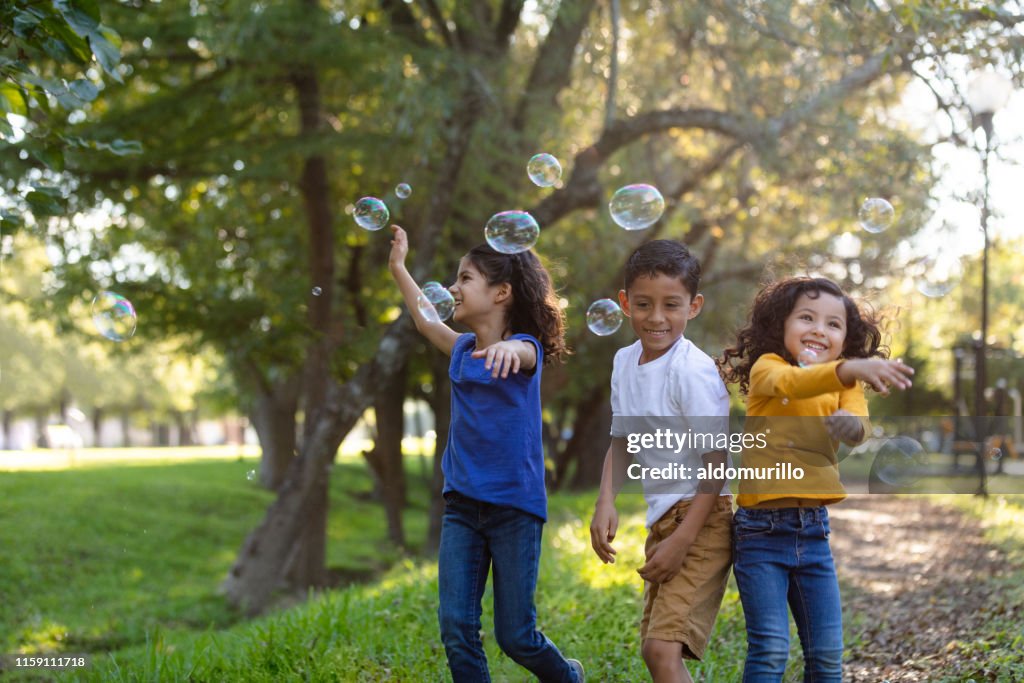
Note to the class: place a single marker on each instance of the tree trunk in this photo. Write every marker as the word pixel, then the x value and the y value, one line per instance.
pixel 6 421
pixel 42 438
pixel 126 429
pixel 587 410
pixel 97 427
pixel 184 423
pixel 386 457
pixel 272 414
pixel 590 439
pixel 293 531
pixel 441 403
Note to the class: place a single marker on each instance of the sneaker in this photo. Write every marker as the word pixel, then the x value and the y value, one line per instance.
pixel 578 668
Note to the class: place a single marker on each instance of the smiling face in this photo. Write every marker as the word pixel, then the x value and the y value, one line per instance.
pixel 816 324
pixel 473 296
pixel 659 308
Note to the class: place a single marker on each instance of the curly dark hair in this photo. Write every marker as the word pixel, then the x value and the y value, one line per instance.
pixel 534 310
pixel 764 330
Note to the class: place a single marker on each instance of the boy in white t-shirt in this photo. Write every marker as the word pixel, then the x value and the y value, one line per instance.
pixel 670 408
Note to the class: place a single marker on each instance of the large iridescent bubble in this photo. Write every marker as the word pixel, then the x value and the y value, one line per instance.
pixel 635 207
pixel 938 273
pixel 511 232
pixel 371 213
pixel 876 215
pixel 435 303
pixel 114 316
pixel 544 170
pixel 604 317
pixel 899 461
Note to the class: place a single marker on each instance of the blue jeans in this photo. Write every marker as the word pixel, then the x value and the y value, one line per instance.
pixel 475 536
pixel 782 557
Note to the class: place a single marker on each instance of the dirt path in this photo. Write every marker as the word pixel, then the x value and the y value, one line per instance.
pixel 917 580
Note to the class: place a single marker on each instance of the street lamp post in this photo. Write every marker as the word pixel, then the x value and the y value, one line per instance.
pixel 986 94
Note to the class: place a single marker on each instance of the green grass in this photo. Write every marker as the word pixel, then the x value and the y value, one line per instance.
pixel 124 563
pixel 995 654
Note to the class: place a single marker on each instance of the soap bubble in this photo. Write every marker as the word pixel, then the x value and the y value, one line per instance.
pixel 604 317
pixel 511 232
pixel 635 207
pixel 251 475
pixel 114 316
pixel 371 213
pixel 806 358
pixel 898 462
pixel 544 170
pixel 435 303
pixel 876 215
pixel 403 190
pixel 317 291
pixel 938 273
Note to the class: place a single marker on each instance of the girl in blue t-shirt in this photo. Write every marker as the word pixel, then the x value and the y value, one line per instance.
pixel 493 464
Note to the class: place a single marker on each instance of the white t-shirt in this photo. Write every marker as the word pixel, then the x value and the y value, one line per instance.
pixel 682 392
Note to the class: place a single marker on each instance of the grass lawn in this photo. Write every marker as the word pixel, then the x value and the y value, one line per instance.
pixel 124 563
pixel 998 652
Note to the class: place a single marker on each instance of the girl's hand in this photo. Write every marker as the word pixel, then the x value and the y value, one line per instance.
pixel 399 247
pixel 880 373
pixel 845 426
pixel 502 357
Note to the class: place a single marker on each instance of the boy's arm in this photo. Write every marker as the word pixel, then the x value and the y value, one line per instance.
pixel 437 333
pixel 605 522
pixel 668 557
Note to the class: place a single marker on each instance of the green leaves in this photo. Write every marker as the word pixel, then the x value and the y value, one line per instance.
pixel 45 201
pixel 68 31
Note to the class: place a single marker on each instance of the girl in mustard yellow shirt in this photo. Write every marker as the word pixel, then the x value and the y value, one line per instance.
pixel 798 360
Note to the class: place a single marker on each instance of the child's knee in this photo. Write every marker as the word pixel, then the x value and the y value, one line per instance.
pixel 455 626
pixel 824 663
pixel 659 654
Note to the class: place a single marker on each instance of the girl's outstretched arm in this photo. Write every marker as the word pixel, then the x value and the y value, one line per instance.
pixel 509 355
pixel 437 333
pixel 880 373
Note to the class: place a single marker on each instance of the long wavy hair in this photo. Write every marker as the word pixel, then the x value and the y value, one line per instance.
pixel 534 309
pixel 765 328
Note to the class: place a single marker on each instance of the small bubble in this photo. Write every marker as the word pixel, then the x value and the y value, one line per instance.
pixel 251 475
pixel 403 190
pixel 876 215
pixel 635 207
pixel 806 358
pixel 511 232
pixel 317 291
pixel 544 170
pixel 435 303
pixel 604 317
pixel 114 316
pixel 371 213
pixel 938 273
pixel 785 401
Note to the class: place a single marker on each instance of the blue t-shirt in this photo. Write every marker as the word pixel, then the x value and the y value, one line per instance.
pixel 494 452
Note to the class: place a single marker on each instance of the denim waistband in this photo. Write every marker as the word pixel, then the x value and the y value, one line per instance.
pixel 816 514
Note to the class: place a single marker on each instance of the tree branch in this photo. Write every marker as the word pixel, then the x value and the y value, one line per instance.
pixel 613 72
pixel 436 17
pixel 552 67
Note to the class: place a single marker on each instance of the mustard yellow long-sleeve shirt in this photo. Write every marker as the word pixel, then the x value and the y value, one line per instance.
pixel 788 405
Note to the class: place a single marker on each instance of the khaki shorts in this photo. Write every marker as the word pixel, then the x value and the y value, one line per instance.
pixel 684 609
